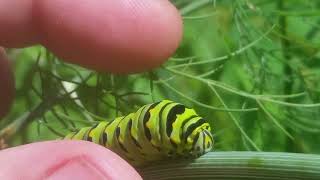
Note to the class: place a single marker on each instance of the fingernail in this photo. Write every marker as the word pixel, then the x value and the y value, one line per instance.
pixel 75 168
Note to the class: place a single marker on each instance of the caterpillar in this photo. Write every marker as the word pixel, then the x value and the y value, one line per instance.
pixel 157 131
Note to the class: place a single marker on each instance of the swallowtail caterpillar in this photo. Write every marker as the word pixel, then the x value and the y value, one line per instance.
pixel 157 131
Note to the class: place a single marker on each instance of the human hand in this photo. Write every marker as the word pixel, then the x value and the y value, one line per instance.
pixel 119 36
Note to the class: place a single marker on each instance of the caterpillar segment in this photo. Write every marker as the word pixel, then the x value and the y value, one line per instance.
pixel 157 131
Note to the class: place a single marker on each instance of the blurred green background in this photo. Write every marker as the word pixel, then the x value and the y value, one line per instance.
pixel 251 67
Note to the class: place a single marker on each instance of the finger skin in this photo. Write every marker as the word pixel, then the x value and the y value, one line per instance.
pixel 7 86
pixel 119 36
pixel 16 26
pixel 64 160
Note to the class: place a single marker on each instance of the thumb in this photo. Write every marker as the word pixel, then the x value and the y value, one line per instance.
pixel 63 160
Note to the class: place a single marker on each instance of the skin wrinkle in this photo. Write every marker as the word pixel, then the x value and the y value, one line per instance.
pixel 84 160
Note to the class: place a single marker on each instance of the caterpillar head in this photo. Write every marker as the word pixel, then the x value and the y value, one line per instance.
pixel 202 142
pixel 192 133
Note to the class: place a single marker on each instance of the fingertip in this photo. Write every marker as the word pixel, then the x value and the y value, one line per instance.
pixel 64 160
pixel 123 36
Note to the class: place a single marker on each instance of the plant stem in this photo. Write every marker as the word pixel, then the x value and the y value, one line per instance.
pixel 285 48
pixel 285 43
pixel 194 6
pixel 10 130
pixel 239 165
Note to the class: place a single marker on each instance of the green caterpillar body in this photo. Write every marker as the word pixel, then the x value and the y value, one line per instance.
pixel 157 131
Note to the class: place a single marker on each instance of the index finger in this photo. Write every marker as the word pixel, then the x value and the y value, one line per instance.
pixel 118 36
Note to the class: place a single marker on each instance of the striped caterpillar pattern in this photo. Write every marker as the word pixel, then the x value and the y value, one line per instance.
pixel 157 131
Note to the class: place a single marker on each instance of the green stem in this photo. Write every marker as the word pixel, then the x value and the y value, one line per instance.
pixel 285 43
pixel 11 129
pixel 194 6
pixel 239 165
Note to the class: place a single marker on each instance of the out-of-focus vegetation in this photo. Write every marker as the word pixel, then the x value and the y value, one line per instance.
pixel 251 67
